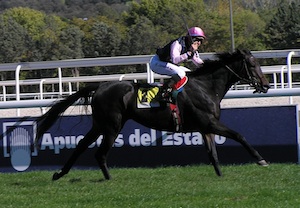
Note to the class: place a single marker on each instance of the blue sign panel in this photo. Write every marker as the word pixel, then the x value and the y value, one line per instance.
pixel 264 125
pixel 269 129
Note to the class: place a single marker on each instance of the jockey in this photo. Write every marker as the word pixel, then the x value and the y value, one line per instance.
pixel 167 59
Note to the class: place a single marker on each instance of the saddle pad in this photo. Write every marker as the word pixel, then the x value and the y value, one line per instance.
pixel 146 98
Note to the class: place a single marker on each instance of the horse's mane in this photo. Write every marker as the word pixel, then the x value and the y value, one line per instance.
pixel 223 58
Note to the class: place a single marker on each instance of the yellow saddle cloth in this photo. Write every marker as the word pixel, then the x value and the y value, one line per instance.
pixel 148 97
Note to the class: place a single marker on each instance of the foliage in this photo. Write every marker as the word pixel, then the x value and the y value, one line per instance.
pixel 249 29
pixel 143 32
pixel 45 30
pixel 14 41
pixel 165 17
pixel 46 35
pixel 143 26
pixel 104 40
pixel 70 8
pixel 217 27
pixel 191 186
pixel 284 28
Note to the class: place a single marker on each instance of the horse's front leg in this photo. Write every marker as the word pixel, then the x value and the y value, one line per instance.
pixel 209 140
pixel 220 129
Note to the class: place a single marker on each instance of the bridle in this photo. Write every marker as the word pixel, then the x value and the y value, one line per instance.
pixel 251 80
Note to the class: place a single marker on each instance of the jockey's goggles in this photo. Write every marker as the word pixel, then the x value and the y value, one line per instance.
pixel 198 39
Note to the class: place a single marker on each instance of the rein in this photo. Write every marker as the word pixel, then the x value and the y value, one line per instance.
pixel 250 80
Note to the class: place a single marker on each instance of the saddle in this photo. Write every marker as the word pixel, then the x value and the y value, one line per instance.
pixel 151 96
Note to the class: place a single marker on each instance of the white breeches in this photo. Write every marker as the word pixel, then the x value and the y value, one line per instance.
pixel 166 68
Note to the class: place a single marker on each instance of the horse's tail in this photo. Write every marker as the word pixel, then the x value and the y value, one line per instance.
pixel 48 119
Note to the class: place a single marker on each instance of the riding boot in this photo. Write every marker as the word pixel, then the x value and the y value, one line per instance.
pixel 168 88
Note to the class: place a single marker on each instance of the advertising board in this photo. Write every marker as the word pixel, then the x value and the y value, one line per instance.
pixel 273 131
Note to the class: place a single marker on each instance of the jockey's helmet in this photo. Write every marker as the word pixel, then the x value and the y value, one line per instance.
pixel 196 32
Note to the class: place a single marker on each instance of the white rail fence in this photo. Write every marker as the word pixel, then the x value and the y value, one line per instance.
pixel 278 72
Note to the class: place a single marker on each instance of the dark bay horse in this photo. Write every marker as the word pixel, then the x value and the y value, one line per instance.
pixel 113 103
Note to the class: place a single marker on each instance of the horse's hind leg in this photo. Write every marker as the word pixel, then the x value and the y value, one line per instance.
pixel 101 154
pixel 209 140
pixel 222 130
pixel 83 144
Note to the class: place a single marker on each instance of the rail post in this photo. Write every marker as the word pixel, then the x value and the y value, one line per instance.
pixel 17 76
pixel 43 109
pixel 4 92
pixel 60 81
pixel 289 68
pixel 150 74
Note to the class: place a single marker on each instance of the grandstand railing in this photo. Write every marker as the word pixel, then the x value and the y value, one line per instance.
pixel 278 72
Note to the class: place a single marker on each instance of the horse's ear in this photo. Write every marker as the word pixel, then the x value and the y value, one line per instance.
pixel 239 51
pixel 243 51
pixel 247 51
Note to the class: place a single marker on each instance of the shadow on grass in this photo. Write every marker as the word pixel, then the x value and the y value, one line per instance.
pixel 77 180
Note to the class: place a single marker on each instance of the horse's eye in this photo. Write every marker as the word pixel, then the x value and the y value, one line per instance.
pixel 252 61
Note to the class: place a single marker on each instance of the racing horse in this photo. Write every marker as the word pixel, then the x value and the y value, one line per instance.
pixel 113 103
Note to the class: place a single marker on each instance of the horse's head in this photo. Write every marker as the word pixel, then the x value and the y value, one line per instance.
pixel 241 64
pixel 250 72
pixel 253 73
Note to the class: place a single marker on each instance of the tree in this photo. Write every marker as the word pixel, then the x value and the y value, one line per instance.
pixel 70 45
pixel 217 28
pixel 249 30
pixel 143 37
pixel 51 38
pixel 162 21
pixel 28 35
pixel 284 28
pixel 14 41
pixel 33 22
pixel 102 37
pixel 167 17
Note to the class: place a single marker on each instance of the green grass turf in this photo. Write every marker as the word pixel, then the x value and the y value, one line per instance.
pixel 192 186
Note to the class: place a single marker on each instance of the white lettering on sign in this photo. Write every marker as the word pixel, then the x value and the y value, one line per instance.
pixel 70 142
pixel 178 139
pixel 137 139
pixel 220 139
pixel 189 139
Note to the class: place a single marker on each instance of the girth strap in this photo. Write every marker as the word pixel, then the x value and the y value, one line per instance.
pixel 176 117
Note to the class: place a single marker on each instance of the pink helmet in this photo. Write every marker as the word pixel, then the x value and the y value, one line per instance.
pixel 196 32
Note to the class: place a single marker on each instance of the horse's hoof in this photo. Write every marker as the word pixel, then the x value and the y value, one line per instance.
pixel 219 173
pixel 107 176
pixel 56 176
pixel 263 163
